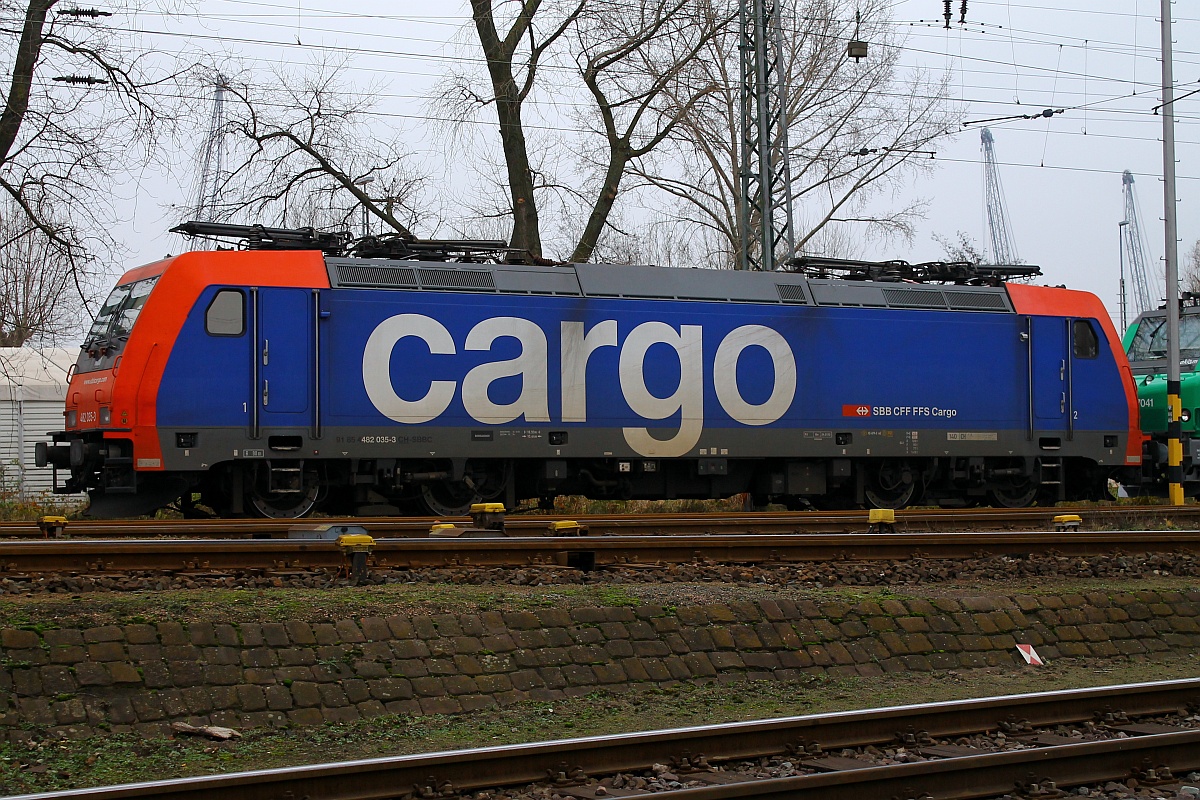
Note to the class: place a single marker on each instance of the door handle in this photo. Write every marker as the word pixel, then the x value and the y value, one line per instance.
pixel 1062 404
pixel 266 350
pixel 267 387
pixel 1062 369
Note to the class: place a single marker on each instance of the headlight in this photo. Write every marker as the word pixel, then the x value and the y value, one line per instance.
pixel 105 416
pixel 72 416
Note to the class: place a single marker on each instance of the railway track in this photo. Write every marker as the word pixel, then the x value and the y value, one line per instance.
pixel 1026 745
pixel 908 520
pixel 24 557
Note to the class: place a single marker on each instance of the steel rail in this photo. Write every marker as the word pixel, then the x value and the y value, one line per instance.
pixel 469 770
pixel 911 520
pixel 991 775
pixel 200 555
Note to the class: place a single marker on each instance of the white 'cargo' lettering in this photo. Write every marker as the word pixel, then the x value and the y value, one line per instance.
pixel 725 375
pixel 688 397
pixel 530 365
pixel 377 368
pixel 576 349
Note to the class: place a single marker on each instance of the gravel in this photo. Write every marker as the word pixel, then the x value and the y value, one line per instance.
pixel 814 575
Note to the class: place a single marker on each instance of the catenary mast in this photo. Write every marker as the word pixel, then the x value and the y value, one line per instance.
pixel 764 223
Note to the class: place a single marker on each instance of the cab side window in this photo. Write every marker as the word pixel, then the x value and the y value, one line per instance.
pixel 226 315
pixel 1086 343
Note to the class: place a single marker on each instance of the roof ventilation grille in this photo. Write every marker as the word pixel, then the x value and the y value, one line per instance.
pixel 457 279
pixel 980 301
pixel 791 293
pixel 369 275
pixel 914 298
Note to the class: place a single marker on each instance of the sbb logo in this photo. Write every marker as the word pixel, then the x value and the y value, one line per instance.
pixel 856 411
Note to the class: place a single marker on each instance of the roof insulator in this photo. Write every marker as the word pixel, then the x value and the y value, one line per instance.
pixel 86 80
pixel 84 12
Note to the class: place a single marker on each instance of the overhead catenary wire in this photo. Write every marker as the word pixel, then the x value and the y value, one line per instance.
pixel 446 21
pixel 376 34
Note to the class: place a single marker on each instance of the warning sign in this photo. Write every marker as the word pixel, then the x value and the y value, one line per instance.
pixel 1030 655
pixel 856 411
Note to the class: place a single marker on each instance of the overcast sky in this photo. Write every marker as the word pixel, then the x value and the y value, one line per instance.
pixel 1096 59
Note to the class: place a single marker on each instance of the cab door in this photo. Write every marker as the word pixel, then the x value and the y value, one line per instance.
pixel 1097 377
pixel 1050 376
pixel 284 357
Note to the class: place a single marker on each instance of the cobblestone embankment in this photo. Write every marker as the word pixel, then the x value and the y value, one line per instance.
pixel 78 682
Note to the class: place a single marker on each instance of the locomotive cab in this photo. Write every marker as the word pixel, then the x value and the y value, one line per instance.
pixel 97 448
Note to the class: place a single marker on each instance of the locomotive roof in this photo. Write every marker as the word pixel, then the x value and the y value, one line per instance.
pixel 659 283
pixel 398 262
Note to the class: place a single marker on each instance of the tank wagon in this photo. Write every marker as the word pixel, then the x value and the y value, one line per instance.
pixel 288 376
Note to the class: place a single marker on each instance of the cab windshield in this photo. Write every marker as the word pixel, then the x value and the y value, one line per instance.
pixel 1150 340
pixel 116 317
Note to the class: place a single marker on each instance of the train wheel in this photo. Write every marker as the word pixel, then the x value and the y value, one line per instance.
pixel 1014 494
pixel 892 484
pixel 283 505
pixel 446 499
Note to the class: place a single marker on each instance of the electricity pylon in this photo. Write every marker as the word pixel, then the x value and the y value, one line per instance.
pixel 211 166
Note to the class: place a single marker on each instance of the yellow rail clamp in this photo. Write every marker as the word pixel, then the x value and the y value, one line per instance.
pixel 567 527
pixel 488 516
pixel 1067 522
pixel 356 542
pixel 441 526
pixel 882 520
pixel 357 546
pixel 52 526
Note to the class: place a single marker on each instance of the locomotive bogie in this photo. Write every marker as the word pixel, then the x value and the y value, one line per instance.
pixel 377 487
pixel 279 384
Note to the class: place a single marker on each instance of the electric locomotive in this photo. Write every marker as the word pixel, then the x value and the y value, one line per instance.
pixel 1146 347
pixel 300 373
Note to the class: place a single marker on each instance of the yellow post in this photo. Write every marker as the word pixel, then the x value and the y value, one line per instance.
pixel 1174 444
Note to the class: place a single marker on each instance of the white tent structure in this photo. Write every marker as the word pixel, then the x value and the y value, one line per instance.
pixel 33 389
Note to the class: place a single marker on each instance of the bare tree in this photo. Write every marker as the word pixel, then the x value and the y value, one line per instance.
pixel 659 240
pixel 513 59
pixel 1191 269
pixel 635 62
pixel 38 300
pixel 854 128
pixel 82 104
pixel 961 248
pixel 663 81
pixel 304 153
pixel 625 56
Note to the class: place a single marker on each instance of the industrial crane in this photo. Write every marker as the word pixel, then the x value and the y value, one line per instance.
pixel 1003 248
pixel 1135 248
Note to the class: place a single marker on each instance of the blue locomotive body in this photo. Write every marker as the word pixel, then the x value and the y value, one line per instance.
pixel 372 386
